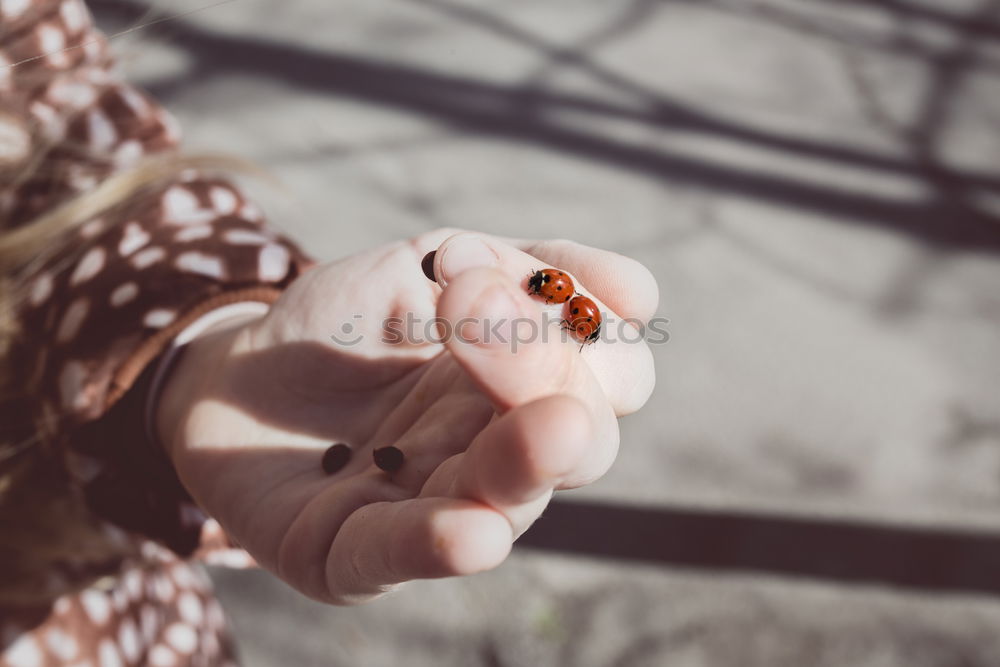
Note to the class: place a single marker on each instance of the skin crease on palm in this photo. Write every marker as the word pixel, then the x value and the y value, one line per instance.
pixel 488 433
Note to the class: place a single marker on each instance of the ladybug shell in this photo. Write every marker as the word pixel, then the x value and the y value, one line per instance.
pixel 552 285
pixel 584 318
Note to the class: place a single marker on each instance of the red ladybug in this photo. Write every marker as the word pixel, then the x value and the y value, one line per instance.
pixel 584 319
pixel 552 285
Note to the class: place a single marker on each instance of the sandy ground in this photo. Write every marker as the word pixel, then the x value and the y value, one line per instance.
pixel 814 185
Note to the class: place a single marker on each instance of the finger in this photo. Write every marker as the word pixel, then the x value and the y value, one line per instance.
pixel 622 363
pixel 444 429
pixel 516 462
pixel 500 338
pixel 623 284
pixel 303 550
pixel 385 544
pixel 515 364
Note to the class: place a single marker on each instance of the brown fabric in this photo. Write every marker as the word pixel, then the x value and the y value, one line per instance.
pixel 91 498
pixel 154 345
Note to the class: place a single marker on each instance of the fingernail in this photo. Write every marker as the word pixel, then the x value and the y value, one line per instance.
pixel 427 264
pixel 468 252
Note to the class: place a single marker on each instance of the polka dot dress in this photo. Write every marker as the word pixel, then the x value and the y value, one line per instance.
pixel 163 616
pixel 96 314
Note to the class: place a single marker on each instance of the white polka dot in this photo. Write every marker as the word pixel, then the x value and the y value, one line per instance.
pixel 193 233
pixel 251 212
pixel 119 598
pixel 133 584
pixel 223 200
pixel 123 294
pixel 180 207
pixel 128 640
pixel 11 9
pixel 72 320
pixel 101 132
pixel 62 605
pixel 52 124
pixel 88 267
pixel 149 622
pixel 245 237
pixel 24 653
pixel 182 637
pixel 161 656
pixel 133 238
pixel 109 655
pixel 183 576
pixel 80 177
pixel 152 551
pixel 93 49
pixel 92 228
pixel 73 16
pixel 62 645
pixel 96 605
pixel 164 588
pixel 202 264
pixel 73 94
pixel 148 257
pixel 134 100
pixel 14 140
pixel 40 290
pixel 53 43
pixel 190 608
pixel 236 559
pixel 216 617
pixel 128 153
pixel 272 264
pixel 158 318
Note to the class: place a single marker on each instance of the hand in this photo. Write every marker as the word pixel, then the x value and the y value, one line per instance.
pixel 488 432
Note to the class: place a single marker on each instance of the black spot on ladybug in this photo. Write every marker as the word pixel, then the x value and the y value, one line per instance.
pixel 389 458
pixel 335 458
pixel 559 288
pixel 576 310
pixel 547 278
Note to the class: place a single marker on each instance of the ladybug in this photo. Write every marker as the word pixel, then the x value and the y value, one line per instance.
pixel 584 319
pixel 552 285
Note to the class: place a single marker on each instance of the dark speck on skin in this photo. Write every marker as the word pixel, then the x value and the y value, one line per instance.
pixel 335 458
pixel 389 458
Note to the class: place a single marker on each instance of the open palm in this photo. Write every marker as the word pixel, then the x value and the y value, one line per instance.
pixel 488 431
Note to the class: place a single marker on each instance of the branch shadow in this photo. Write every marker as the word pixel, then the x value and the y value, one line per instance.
pixel 924 559
pixel 496 110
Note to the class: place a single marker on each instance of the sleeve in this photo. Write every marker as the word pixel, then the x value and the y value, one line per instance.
pixel 101 307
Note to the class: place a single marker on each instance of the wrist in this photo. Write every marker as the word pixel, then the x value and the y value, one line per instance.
pixel 196 361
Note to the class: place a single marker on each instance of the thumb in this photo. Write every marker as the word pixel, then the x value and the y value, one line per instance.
pixel 503 340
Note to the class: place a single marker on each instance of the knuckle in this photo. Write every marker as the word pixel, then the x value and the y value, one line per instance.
pixel 430 240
